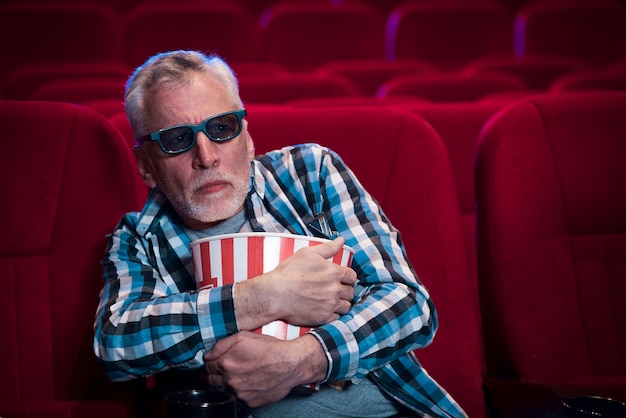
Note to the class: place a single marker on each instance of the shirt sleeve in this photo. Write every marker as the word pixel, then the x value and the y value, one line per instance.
pixel 392 312
pixel 149 320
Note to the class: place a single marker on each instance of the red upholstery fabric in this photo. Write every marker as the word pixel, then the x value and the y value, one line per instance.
pixel 303 35
pixel 448 34
pixel 369 75
pixel 225 28
pixel 459 125
pixel 278 89
pixel 65 180
pixel 81 90
pixel 352 101
pixel 450 87
pixel 537 72
pixel 21 82
pixel 45 32
pixel 552 246
pixel 589 81
pixel 106 107
pixel 401 160
pixel 120 122
pixel 590 30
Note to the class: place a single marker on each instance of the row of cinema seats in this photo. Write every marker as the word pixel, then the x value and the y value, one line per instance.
pixel 537 43
pixel 303 34
pixel 347 83
pixel 526 263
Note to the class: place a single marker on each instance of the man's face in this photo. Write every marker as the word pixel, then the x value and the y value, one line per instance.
pixel 208 183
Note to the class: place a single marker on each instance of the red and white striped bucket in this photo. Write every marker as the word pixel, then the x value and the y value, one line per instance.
pixel 231 258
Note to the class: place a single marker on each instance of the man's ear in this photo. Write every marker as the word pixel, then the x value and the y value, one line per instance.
pixel 250 144
pixel 144 165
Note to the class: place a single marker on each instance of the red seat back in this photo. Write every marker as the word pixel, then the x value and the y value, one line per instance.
pixel 45 32
pixel 450 87
pixel 66 178
pixel 537 72
pixel 81 90
pixel 592 31
pixel 448 34
pixel 22 81
pixel 552 242
pixel 459 125
pixel 222 27
pixel 303 35
pixel 369 75
pixel 589 81
pixel 283 88
pixel 401 160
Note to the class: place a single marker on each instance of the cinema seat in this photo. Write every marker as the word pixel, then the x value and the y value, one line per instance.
pixel 81 90
pixel 278 89
pixel 592 31
pixel 369 75
pixel 45 32
pixel 537 72
pixel 551 230
pixel 66 178
pixel 402 161
pixel 225 28
pixel 22 81
pixel 306 34
pixel 459 126
pixel 448 34
pixel 450 86
pixel 589 81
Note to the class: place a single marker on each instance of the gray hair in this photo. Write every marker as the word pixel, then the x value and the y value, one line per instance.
pixel 172 69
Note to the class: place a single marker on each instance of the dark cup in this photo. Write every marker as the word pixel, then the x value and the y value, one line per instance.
pixel 200 404
pixel 592 407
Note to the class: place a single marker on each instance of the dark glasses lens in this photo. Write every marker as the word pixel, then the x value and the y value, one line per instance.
pixel 176 140
pixel 181 138
pixel 223 128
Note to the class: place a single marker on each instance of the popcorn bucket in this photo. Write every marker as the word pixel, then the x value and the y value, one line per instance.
pixel 232 258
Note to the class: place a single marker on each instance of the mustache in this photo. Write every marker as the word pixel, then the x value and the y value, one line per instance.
pixel 208 177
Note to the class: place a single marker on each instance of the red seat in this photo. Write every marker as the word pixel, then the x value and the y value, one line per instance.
pixel 120 122
pixel 450 87
pixel 303 35
pixel 551 231
pixel 448 34
pixel 354 101
pixel 224 28
pixel 280 89
pixel 22 81
pixel 106 107
pixel 459 125
pixel 589 81
pixel 34 33
pixel 369 75
pixel 66 178
pixel 537 72
pixel 81 90
pixel 401 160
pixel 592 31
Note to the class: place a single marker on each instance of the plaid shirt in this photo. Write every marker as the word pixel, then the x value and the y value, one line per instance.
pixel 151 318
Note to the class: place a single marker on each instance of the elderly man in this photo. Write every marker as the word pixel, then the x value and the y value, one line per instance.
pixel 195 152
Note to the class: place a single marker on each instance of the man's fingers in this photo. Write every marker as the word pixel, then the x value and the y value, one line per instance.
pixel 344 307
pixel 330 248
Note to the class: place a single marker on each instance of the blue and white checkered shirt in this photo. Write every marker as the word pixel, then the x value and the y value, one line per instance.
pixel 151 318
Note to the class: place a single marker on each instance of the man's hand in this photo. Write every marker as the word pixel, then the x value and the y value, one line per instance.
pixel 305 289
pixel 260 369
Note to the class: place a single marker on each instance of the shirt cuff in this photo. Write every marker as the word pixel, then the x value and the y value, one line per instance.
pixel 341 349
pixel 216 314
